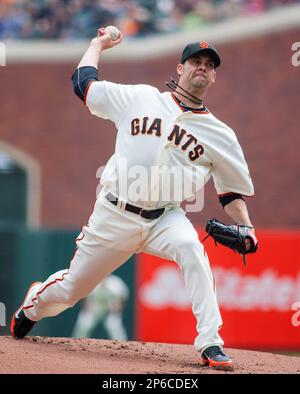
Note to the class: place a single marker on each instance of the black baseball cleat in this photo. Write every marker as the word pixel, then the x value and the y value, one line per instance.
pixel 215 358
pixel 20 325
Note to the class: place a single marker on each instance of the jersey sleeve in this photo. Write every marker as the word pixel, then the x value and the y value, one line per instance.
pixel 109 100
pixel 230 172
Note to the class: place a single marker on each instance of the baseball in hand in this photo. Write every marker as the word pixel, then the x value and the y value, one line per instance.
pixel 113 32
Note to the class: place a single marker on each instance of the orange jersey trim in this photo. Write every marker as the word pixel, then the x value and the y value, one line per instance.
pixel 194 111
pixel 86 91
pixel 228 193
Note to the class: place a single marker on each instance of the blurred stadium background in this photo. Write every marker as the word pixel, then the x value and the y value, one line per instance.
pixel 51 148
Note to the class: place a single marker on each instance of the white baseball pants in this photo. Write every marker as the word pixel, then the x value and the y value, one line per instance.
pixel 110 238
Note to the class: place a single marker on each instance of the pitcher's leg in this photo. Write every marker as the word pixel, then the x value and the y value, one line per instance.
pixel 175 238
pixel 91 263
pixel 200 285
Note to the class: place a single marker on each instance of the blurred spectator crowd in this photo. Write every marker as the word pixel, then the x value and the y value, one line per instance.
pixel 74 19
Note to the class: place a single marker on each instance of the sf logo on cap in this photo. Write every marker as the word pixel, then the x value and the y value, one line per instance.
pixel 203 44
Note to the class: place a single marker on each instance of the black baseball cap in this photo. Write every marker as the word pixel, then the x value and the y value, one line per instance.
pixel 200 47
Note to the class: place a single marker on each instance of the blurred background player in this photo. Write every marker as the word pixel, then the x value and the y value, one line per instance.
pixel 105 304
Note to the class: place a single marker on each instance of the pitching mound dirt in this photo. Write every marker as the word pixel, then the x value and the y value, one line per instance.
pixel 45 355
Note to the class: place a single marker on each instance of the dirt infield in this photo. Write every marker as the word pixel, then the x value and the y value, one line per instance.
pixel 89 356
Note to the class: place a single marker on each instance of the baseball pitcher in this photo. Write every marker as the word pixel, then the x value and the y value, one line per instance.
pixel 156 131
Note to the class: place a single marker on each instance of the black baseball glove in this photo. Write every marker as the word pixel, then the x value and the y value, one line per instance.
pixel 233 236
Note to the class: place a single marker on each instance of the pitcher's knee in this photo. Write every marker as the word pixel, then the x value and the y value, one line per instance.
pixel 186 243
pixel 190 251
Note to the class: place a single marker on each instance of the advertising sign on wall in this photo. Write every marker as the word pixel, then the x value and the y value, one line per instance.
pixel 260 303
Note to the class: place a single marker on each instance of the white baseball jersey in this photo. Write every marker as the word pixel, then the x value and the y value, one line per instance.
pixel 156 135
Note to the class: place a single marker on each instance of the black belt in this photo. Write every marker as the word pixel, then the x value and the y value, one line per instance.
pixel 153 214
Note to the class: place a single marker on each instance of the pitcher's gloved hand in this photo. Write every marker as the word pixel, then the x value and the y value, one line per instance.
pixel 238 237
